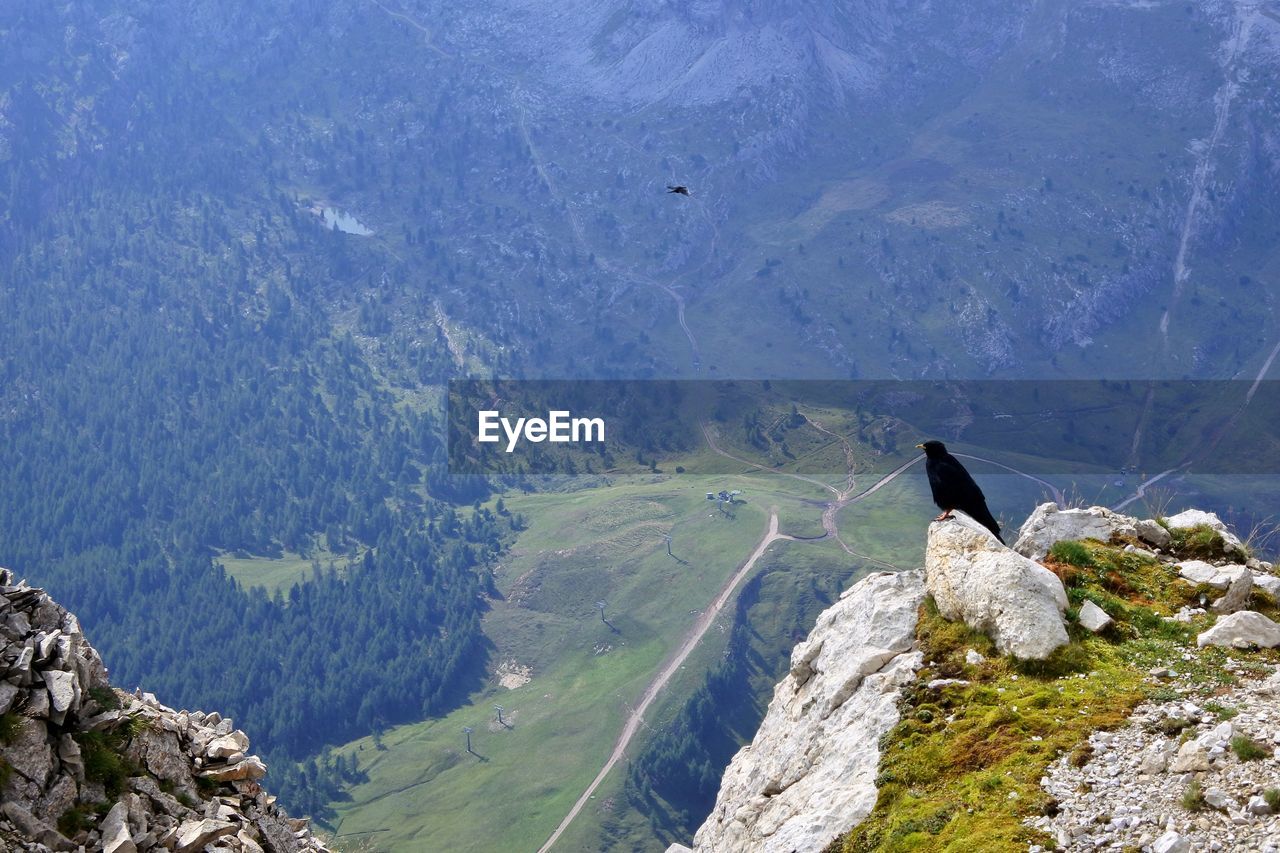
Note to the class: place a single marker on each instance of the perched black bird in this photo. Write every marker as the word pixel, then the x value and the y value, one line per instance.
pixel 680 190
pixel 953 488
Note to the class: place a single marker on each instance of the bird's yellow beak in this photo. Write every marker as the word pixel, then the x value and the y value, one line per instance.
pixel 919 447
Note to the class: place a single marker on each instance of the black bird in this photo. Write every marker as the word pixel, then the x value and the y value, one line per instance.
pixel 954 489
pixel 680 190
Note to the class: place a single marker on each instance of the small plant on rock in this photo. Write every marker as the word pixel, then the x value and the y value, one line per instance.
pixel 1247 749
pixel 1193 797
pixel 1272 796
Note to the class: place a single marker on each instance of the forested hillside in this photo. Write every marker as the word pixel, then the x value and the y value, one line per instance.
pixel 175 385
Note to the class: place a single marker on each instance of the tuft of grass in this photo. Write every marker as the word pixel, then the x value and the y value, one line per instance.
pixel 1201 543
pixel 1248 749
pixel 104 760
pixel 1193 797
pixel 1222 712
pixel 105 697
pixel 10 725
pixel 81 816
pixel 1072 553
pixel 1272 796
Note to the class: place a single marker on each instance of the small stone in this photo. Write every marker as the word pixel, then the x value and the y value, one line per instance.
pixel 974 658
pixel 194 835
pixel 1219 799
pixel 1171 842
pixel 1258 806
pixel 1093 618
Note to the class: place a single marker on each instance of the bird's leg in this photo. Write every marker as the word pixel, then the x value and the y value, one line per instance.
pixel 945 515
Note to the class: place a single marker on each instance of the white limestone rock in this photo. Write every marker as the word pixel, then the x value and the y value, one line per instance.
pixel 1242 629
pixel 810 772
pixel 1153 533
pixel 1268 583
pixel 1049 524
pixel 116 837
pixel 1093 618
pixel 1198 572
pixel 194 835
pixel 1014 600
pixel 1237 597
pixel 1195 518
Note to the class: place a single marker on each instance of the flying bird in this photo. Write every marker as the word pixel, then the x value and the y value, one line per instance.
pixel 954 489
pixel 678 190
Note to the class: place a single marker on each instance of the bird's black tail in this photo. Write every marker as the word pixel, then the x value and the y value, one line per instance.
pixel 988 521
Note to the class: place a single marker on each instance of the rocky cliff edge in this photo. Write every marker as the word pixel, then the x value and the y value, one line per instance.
pixel 84 766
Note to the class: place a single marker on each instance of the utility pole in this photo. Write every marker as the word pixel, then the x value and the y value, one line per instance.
pixel 501 721
pixel 467 731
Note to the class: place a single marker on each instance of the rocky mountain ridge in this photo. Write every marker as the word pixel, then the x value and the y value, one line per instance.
pixel 818 765
pixel 84 766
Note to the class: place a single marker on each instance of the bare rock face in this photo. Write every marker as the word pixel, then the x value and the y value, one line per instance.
pixel 56 684
pixel 1014 600
pixel 1048 524
pixel 810 772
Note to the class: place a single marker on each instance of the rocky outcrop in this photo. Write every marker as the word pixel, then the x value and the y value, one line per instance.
pixel 1049 524
pixel 88 767
pixel 1014 600
pixel 1198 518
pixel 810 772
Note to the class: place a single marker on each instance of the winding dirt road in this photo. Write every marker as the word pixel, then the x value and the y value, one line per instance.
pixel 700 627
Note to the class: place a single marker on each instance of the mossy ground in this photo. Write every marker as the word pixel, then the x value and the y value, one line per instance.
pixel 961 771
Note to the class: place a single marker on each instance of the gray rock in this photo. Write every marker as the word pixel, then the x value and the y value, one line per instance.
pixel 227 745
pixel 1195 518
pixel 70 757
pixel 1191 758
pixel 974 658
pixel 160 753
pixel 1094 618
pixel 1268 583
pixel 1237 597
pixel 55 801
pixel 34 828
pixel 1171 842
pixel 1199 572
pixel 810 772
pixel 1014 600
pixel 63 690
pixel 1258 806
pixel 251 768
pixel 1049 524
pixel 28 753
pixel 194 835
pixel 1219 799
pixel 1153 533
pixel 1246 626
pixel 116 837
pixel 8 696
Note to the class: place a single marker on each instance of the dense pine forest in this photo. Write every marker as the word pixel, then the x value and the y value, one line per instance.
pixel 183 377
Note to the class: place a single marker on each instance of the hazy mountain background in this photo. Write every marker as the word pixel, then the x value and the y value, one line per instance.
pixel 196 368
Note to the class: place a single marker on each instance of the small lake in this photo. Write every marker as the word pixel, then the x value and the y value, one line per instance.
pixel 344 222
